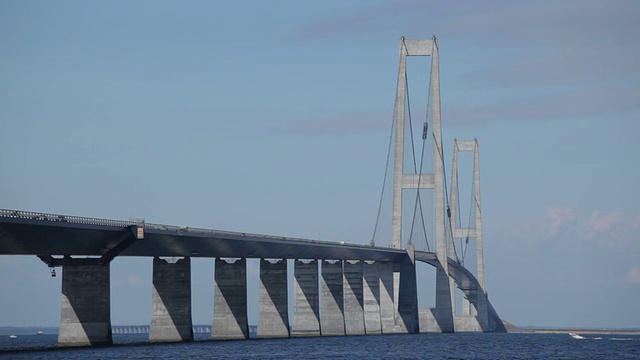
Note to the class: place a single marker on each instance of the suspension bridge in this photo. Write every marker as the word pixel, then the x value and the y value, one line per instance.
pixel 339 289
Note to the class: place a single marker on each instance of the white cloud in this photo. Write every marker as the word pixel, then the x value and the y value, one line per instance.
pixel 614 232
pixel 559 216
pixel 633 276
pixel 605 221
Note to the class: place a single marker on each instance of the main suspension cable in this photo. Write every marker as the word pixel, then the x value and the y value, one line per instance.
pixel 384 183
pixel 386 170
pixel 446 195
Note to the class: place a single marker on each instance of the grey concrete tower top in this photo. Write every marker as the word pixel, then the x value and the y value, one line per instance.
pixel 419 181
pixel 476 231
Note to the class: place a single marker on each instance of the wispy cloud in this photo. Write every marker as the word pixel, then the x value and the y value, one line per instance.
pixel 633 276
pixel 402 17
pixel 601 222
pixel 613 232
pixel 558 217
pixel 557 105
pixel 566 104
pixel 589 23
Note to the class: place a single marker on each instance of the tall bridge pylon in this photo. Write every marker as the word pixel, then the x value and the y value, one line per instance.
pixel 459 232
pixel 435 180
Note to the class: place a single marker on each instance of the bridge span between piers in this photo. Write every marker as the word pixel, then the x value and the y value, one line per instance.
pixel 352 292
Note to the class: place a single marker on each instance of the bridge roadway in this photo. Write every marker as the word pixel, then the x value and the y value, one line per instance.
pixel 29 233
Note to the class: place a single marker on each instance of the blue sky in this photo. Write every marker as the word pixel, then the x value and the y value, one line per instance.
pixel 273 117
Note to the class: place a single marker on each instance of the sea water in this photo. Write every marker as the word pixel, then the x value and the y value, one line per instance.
pixel 421 346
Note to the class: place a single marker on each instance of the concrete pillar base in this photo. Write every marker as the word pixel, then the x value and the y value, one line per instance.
pixel 387 307
pixel 171 309
pixel 332 305
pixel 353 298
pixel 86 309
pixel 273 319
pixel 467 324
pixel 230 300
pixel 407 317
pixel 428 323
pixel 371 295
pixel 306 308
pixel 443 311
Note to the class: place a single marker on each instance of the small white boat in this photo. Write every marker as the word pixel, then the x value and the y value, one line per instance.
pixel 40 333
pixel 576 336
pixel 13 336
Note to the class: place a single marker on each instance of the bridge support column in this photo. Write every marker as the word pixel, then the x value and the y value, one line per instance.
pixel 306 309
pixel 273 320
pixel 467 324
pixel 387 308
pixel 482 311
pixel 353 298
pixel 230 300
pixel 407 317
pixel 332 313
pixel 86 308
pixel 444 310
pixel 371 296
pixel 428 323
pixel 171 309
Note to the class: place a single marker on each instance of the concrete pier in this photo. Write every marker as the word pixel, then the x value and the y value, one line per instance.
pixel 353 298
pixel 332 303
pixel 85 317
pixel 171 309
pixel 230 300
pixel 444 307
pixel 427 320
pixel 273 319
pixel 387 308
pixel 467 324
pixel 407 317
pixel 482 311
pixel 371 296
pixel 306 308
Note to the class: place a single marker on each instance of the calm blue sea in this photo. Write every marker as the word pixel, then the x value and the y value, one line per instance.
pixel 423 346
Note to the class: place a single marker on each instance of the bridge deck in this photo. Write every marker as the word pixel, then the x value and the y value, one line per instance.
pixel 28 233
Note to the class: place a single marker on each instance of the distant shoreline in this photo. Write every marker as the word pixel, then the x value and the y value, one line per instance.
pixel 579 331
pixel 515 329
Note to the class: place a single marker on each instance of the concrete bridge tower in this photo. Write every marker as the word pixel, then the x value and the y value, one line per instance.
pixel 481 311
pixel 401 180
